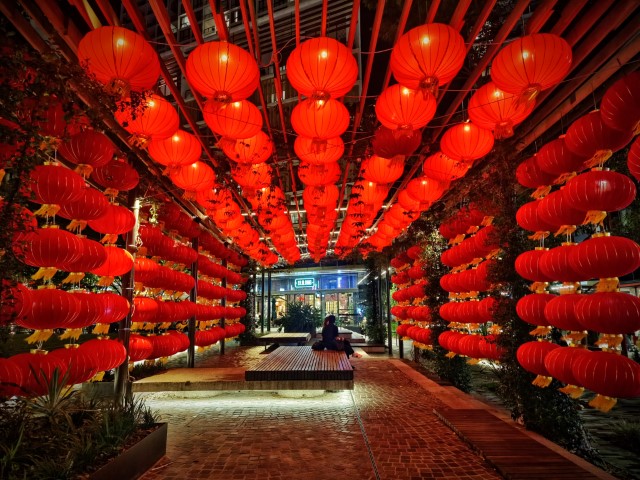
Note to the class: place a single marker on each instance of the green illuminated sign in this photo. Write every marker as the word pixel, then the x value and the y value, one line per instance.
pixel 304 283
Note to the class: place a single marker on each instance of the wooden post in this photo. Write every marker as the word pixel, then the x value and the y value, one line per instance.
pixel 193 296
pixel 388 285
pixel 122 390
pixel 224 304
pixel 255 301
pixel 269 302
pixel 262 304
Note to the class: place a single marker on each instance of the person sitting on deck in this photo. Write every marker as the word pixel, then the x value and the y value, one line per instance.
pixel 331 339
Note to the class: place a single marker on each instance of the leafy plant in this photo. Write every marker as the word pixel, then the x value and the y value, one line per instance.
pixel 299 317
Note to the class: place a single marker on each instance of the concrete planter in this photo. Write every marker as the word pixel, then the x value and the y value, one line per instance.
pixel 137 459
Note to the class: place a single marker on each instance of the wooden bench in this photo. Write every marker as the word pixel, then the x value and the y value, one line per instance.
pixel 342 332
pixel 300 338
pixel 301 368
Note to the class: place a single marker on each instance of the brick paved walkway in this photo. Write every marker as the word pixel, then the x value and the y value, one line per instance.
pixel 384 429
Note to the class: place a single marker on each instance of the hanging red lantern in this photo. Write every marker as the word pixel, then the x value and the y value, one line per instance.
pixel 531 64
pixel 252 176
pixel 92 204
pixel 106 354
pixel 528 265
pixel 320 119
pixel 487 309
pixel 529 174
pixel 400 108
pixel 144 310
pixel 560 312
pixel 605 256
pixel 140 348
pixel 320 196
pixel 555 210
pixel 555 264
pixel 325 174
pixel 239 119
pixel 50 309
pixel 318 152
pixel 633 160
pixel 388 143
pixel 466 142
pixel 382 170
pixel 528 218
pixel 621 103
pixel 428 56
pixel 120 59
pixel 425 190
pixel 117 220
pixel 11 378
pixel 609 375
pixel 180 149
pixel 116 176
pixel 598 192
pixel 49 249
pixel 591 138
pixel 193 178
pixel 369 193
pixel 530 308
pixel 15 302
pixel 253 150
pixel 531 356
pixel 53 185
pixel 555 158
pixel 609 312
pixel 88 149
pixel 118 262
pixel 37 371
pixel 559 363
pixel 444 169
pixel 46 113
pixel 222 72
pixel 493 109
pixel 322 68
pixel 114 308
pixel 156 120
pixel 93 256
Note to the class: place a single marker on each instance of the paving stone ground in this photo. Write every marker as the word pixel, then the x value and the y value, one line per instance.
pixel 384 429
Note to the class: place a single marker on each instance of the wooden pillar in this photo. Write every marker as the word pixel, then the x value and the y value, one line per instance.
pixel 269 302
pixel 262 304
pixel 255 299
pixel 193 296
pixel 122 389
pixel 388 288
pixel 224 304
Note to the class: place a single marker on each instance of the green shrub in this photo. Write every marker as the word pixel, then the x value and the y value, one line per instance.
pixel 299 317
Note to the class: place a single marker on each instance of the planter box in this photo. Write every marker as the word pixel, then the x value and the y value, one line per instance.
pixel 137 459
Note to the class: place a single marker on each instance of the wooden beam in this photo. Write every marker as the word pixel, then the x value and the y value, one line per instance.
pixel 221 24
pixel 402 23
pixel 433 10
pixel 572 8
pixel 540 16
pixel 354 22
pixel 195 25
pixel 323 27
pixel 457 19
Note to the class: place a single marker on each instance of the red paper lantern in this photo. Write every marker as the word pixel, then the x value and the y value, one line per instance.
pixel 156 120
pixel 425 190
pixel 322 68
pixel 92 204
pixel 253 150
pixel 15 302
pixel 106 354
pixel 559 363
pixel 528 265
pixel 53 185
pixel 252 176
pixel 493 109
pixel 180 149
pixel 531 356
pixel 609 375
pixel 400 108
pixel 382 170
pixel 531 64
pixel 37 371
pixel 605 256
pixel 93 256
pixel 120 59
pixel 427 56
pixel 88 148
pixel 320 119
pixel 50 308
pixel 239 119
pixel 487 308
pixel 144 309
pixel 530 308
pixel 555 210
pixel 193 178
pixel 555 264
pixel 318 152
pixel 140 348
pixel 115 176
pixel 529 174
pixel 555 158
pixel 118 262
pixel 313 175
pixel 609 312
pixel 633 160
pixel 11 378
pixel 388 143
pixel 621 103
pixel 591 138
pixel 466 142
pixel 599 191
pixel 222 71
pixel 560 312
pixel 117 220
pixel 48 249
pixel 444 169
pixel 528 218
pixel 114 307
pixel 78 365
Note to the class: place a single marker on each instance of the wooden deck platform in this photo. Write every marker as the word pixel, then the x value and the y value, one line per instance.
pixel 510 451
pixel 301 338
pixel 314 369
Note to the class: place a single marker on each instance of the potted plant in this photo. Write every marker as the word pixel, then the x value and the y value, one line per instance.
pixel 300 317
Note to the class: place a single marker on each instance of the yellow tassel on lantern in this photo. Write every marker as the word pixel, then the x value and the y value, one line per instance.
pixel 539 287
pixel 565 230
pixel 487 220
pixel 539 235
pixel 472 229
pixel 451 354
pixel 565 177
pixel 473 361
pixel 541 191
pixel 609 341
pixel 73 277
pixel 542 381
pixel 598 159
pixel 164 325
pixel 44 273
pixel 2 172
pixel 603 403
pixel 84 170
pixel 109 239
pixel 574 337
pixel 105 281
pixel 540 331
pixel 101 329
pixel 594 217
pixel 39 336
pixel 457 239
pixel 71 333
pixel 97 377
pixel 573 391
pixel 111 192
pixel 608 284
pixel 47 210
pixel 495 330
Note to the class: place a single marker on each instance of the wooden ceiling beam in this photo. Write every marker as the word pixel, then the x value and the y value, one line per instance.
pixel 221 24
pixel 193 21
